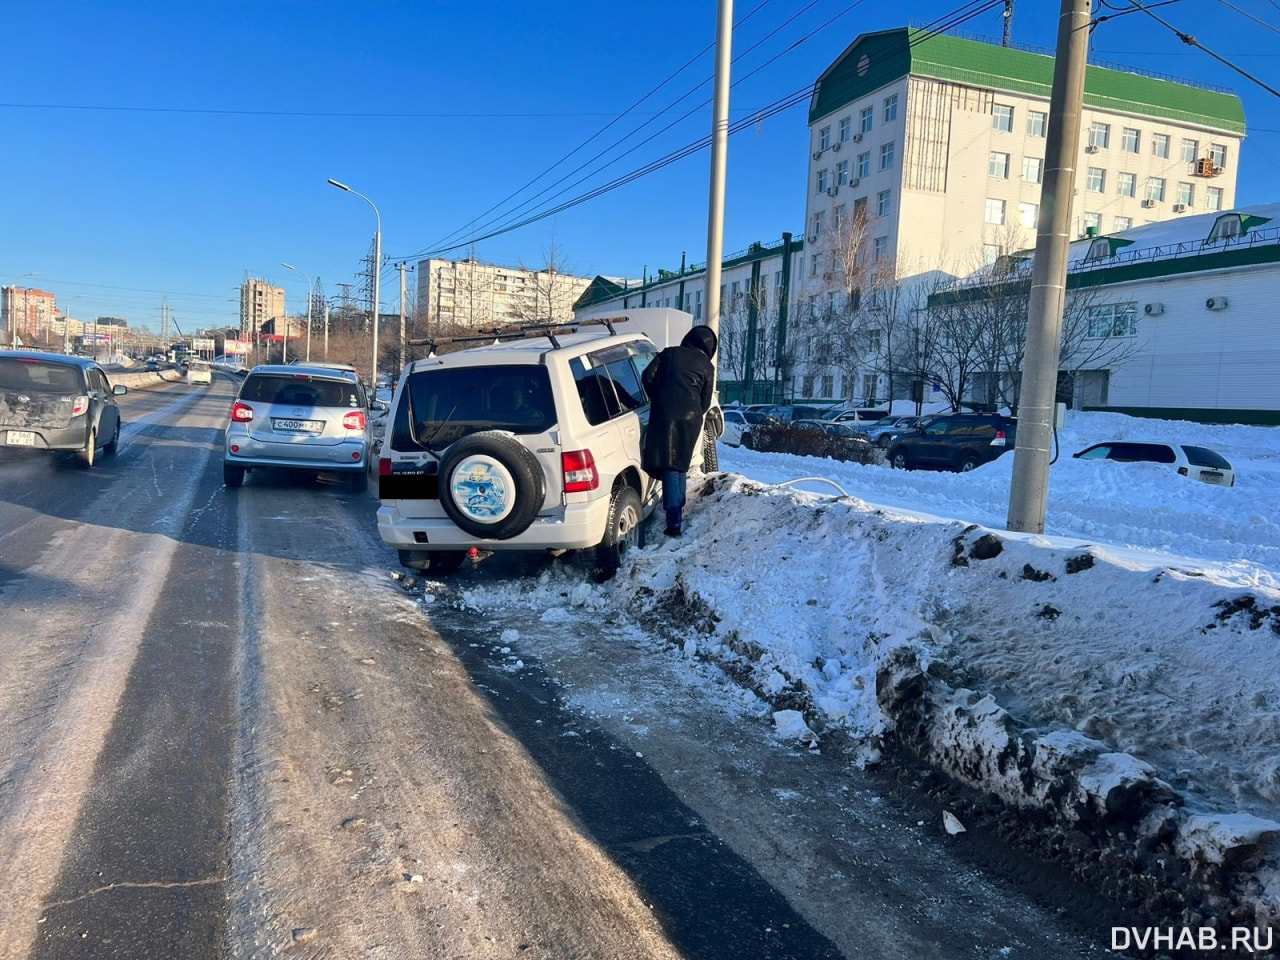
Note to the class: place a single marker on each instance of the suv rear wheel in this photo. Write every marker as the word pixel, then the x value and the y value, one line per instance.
pixel 968 462
pixel 491 485
pixel 624 531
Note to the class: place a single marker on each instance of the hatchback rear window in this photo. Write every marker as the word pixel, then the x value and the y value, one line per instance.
pixel 299 391
pixel 38 376
pixel 1204 457
pixel 441 405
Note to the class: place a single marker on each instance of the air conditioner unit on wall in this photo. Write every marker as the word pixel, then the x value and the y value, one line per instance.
pixel 817 154
pixel 1148 203
pixel 1216 303
pixel 1179 208
pixel 832 191
pixel 836 145
pixel 1091 148
pixel 854 182
pixel 1153 309
pixel 857 138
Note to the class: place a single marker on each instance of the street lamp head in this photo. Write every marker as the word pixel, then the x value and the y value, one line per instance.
pixel 288 266
pixel 340 186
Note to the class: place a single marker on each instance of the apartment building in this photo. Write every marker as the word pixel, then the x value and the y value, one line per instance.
pixel 260 304
pixel 938 143
pixel 471 293
pixel 28 311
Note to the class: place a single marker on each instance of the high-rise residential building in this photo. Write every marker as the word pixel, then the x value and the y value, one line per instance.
pixel 470 293
pixel 936 143
pixel 30 311
pixel 260 304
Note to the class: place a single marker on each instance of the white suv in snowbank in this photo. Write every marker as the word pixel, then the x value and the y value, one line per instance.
pixel 529 443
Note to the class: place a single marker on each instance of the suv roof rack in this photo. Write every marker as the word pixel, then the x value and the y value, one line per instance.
pixel 522 331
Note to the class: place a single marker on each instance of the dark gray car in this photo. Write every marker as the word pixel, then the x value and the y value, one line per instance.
pixel 63 404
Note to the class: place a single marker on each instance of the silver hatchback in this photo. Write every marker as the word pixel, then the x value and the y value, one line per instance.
pixel 299 417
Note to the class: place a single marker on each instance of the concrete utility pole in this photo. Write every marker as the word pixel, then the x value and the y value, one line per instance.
pixel 1029 490
pixel 719 156
pixel 402 266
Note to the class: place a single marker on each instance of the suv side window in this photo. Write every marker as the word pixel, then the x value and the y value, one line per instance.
pixel 939 427
pixel 609 380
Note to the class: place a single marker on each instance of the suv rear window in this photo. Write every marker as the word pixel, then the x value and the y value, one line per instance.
pixel 39 376
pixel 1203 457
pixel 299 391
pixel 441 405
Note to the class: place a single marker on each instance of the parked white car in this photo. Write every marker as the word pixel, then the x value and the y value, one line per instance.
pixel 1199 463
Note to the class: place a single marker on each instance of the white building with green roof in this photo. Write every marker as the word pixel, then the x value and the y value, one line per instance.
pixel 939 141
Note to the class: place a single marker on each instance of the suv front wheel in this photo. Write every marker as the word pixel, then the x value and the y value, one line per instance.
pixel 899 460
pixel 491 485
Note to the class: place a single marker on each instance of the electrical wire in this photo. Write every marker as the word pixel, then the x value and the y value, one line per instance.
pixel 1192 41
pixel 947 22
pixel 1246 13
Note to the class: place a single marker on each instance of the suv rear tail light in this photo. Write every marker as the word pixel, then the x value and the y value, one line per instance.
pixel 384 466
pixel 79 405
pixel 354 420
pixel 241 412
pixel 999 440
pixel 1182 472
pixel 580 474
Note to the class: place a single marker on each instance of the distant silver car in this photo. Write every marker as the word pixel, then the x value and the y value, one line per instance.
pixel 49 401
pixel 299 417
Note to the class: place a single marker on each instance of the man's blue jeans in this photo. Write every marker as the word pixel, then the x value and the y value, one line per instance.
pixel 673 497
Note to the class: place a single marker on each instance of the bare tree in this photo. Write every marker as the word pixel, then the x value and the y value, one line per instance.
pixel 550 291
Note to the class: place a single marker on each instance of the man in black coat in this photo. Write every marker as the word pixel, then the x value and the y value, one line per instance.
pixel 681 384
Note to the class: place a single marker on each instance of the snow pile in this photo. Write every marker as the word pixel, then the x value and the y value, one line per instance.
pixel 1118 674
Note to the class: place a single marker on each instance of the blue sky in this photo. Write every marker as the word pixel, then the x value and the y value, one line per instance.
pixel 156 151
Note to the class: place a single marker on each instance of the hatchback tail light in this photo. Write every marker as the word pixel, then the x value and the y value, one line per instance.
pixel 241 412
pixel 999 440
pixel 354 420
pixel 79 405
pixel 580 474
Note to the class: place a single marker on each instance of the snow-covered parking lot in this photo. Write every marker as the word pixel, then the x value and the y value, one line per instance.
pixel 1116 677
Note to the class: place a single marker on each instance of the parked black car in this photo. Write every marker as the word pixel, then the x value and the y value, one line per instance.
pixel 49 401
pixel 955 441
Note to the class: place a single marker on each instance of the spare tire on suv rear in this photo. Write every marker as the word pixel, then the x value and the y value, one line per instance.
pixel 491 485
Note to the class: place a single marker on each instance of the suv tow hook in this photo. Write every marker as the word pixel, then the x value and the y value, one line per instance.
pixel 475 555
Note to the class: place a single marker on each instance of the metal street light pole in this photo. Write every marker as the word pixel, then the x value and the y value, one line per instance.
pixel 296 270
pixel 377 269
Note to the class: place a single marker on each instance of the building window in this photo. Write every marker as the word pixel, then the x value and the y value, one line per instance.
pixel 837 216
pixel 1113 320
pixel 1155 189
pixel 873 343
pixel 886 156
pixel 1032 169
pixel 891 108
pixel 860 208
pixel 1218 153
pixel 864 164
pixel 868 385
pixel 1126 184
pixel 879 248
pixel 1190 150
pixel 991 252
pixel 807 390
pixel 1037 123
pixel 1092 224
pixel 842 173
pixel 824 138
pixel 1130 137
pixel 819 221
pixel 1027 215
pixel 1002 117
pixel 884 202
pixel 1096 180
pixel 865 119
pixel 1100 135
pixel 998 165
pixel 828 386
pixel 995 211
pixel 824 180
pixel 1122 223
pixel 1160 145
pixel 815 264
pixel 846 129
pixel 1213 198
pixel 697 305
pixel 1186 194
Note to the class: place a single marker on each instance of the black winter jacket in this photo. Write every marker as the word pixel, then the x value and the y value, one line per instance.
pixel 681 385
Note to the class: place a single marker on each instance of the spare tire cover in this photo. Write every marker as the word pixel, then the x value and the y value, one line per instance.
pixel 491 485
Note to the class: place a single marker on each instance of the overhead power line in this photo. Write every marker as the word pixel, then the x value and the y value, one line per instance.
pixel 949 21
